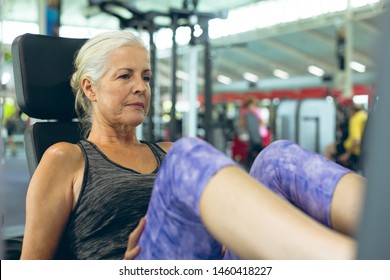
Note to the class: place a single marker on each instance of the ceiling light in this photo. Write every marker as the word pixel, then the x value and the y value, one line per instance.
pixel 357 66
pixel 197 30
pixel 250 77
pixel 316 71
pixel 281 74
pixel 224 79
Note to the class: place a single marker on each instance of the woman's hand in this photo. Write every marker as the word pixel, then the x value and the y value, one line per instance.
pixel 132 248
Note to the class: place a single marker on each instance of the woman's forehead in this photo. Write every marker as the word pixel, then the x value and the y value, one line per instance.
pixel 131 51
pixel 130 55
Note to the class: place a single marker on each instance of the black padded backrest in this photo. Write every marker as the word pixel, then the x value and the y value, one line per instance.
pixel 43 66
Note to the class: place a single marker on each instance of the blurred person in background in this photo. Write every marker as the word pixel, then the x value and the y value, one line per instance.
pixel 252 122
pixel 357 123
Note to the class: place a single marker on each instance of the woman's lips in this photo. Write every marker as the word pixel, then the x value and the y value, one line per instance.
pixel 137 104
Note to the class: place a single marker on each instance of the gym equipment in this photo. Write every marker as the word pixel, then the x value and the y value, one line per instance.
pixel 42 68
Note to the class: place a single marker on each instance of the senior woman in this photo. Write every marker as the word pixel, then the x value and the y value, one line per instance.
pixel 89 197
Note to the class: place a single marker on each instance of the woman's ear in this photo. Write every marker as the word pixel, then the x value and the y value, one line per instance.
pixel 88 89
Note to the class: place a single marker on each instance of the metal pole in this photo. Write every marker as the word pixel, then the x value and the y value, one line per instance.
pixel 152 46
pixel 190 92
pixel 193 92
pixel 208 87
pixel 348 84
pixel 42 5
pixel 2 143
pixel 173 123
pixel 373 235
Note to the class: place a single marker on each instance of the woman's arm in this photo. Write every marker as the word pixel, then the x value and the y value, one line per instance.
pixel 50 199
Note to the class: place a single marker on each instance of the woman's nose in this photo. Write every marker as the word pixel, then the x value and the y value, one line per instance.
pixel 140 85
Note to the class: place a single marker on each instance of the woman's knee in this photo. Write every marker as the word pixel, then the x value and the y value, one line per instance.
pixel 275 151
pixel 187 168
pixel 276 162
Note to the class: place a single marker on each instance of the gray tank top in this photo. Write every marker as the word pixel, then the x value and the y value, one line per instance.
pixel 112 200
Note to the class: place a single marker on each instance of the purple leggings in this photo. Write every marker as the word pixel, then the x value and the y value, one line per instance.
pixel 174 229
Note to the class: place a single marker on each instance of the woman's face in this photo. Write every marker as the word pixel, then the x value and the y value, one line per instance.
pixel 122 95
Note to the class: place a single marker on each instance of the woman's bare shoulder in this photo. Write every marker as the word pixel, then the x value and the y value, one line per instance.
pixel 63 150
pixel 63 155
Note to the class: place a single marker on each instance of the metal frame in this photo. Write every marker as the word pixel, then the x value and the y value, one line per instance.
pixel 373 235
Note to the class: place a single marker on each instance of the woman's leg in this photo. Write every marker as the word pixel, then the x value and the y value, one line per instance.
pixel 254 223
pixel 326 191
pixel 347 203
pixel 236 209
pixel 174 229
